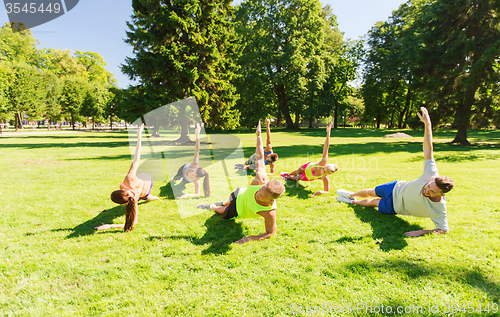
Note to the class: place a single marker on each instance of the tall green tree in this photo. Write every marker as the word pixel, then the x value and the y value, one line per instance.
pixel 283 49
pixel 19 47
pixel 182 49
pixel 74 91
pixel 460 44
pixel 26 93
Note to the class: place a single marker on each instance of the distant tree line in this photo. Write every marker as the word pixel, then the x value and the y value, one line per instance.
pixel 51 84
pixel 442 54
pixel 281 58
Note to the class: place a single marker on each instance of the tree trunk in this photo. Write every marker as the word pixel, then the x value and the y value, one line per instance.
pixel 19 121
pixel 283 104
pixel 278 120
pixel 73 121
pixel 93 123
pixel 335 114
pixel 311 122
pixel 406 107
pixel 392 117
pixel 184 122
pixel 48 122
pixel 462 116
pixel 297 120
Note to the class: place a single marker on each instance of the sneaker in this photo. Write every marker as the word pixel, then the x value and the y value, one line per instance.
pixel 239 166
pixel 344 193
pixel 342 199
pixel 285 175
pixel 218 204
pixel 203 206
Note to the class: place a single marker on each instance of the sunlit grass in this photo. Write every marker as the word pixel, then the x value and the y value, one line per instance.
pixel 54 189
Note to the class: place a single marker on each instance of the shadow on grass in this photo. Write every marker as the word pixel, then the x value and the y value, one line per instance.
pixel 388 229
pixel 458 153
pixel 460 273
pixel 104 217
pixel 295 188
pixel 219 236
pixel 167 190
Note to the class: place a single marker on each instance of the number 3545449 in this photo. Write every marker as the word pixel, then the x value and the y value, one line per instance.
pixel 33 7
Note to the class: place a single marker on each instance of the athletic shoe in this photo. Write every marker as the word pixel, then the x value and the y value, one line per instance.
pixel 218 204
pixel 204 206
pixel 342 199
pixel 239 166
pixel 344 193
pixel 285 175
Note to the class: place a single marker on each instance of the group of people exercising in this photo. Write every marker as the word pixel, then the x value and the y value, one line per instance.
pixel 422 197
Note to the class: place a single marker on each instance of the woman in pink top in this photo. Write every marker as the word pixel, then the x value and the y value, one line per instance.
pixel 312 171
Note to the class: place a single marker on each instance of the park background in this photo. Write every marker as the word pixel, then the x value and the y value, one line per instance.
pixel 287 60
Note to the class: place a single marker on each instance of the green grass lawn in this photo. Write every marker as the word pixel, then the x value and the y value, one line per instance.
pixel 55 189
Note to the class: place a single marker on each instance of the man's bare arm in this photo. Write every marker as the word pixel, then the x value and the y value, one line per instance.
pixel 260 167
pixel 271 228
pixel 269 146
pixel 426 119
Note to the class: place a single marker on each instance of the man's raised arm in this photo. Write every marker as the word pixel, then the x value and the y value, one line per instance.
pixel 260 167
pixel 426 119
pixel 269 146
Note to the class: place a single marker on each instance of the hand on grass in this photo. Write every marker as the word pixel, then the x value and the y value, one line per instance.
pixel 316 193
pixel 103 227
pixel 243 240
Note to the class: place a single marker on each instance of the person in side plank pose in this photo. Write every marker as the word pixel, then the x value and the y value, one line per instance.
pixel 258 200
pixel 312 171
pixel 422 197
pixel 269 156
pixel 133 189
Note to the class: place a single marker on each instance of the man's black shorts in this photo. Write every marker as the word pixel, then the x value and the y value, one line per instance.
pixel 230 211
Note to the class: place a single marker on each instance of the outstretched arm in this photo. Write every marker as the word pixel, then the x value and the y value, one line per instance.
pixel 426 119
pixel 137 157
pixel 324 159
pixel 260 167
pixel 271 228
pixel 196 159
pixel 269 147
pixel 418 233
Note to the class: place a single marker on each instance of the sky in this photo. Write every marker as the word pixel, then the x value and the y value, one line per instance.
pixel 100 25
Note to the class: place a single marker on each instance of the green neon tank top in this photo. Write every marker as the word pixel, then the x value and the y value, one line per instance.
pixel 309 172
pixel 246 206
